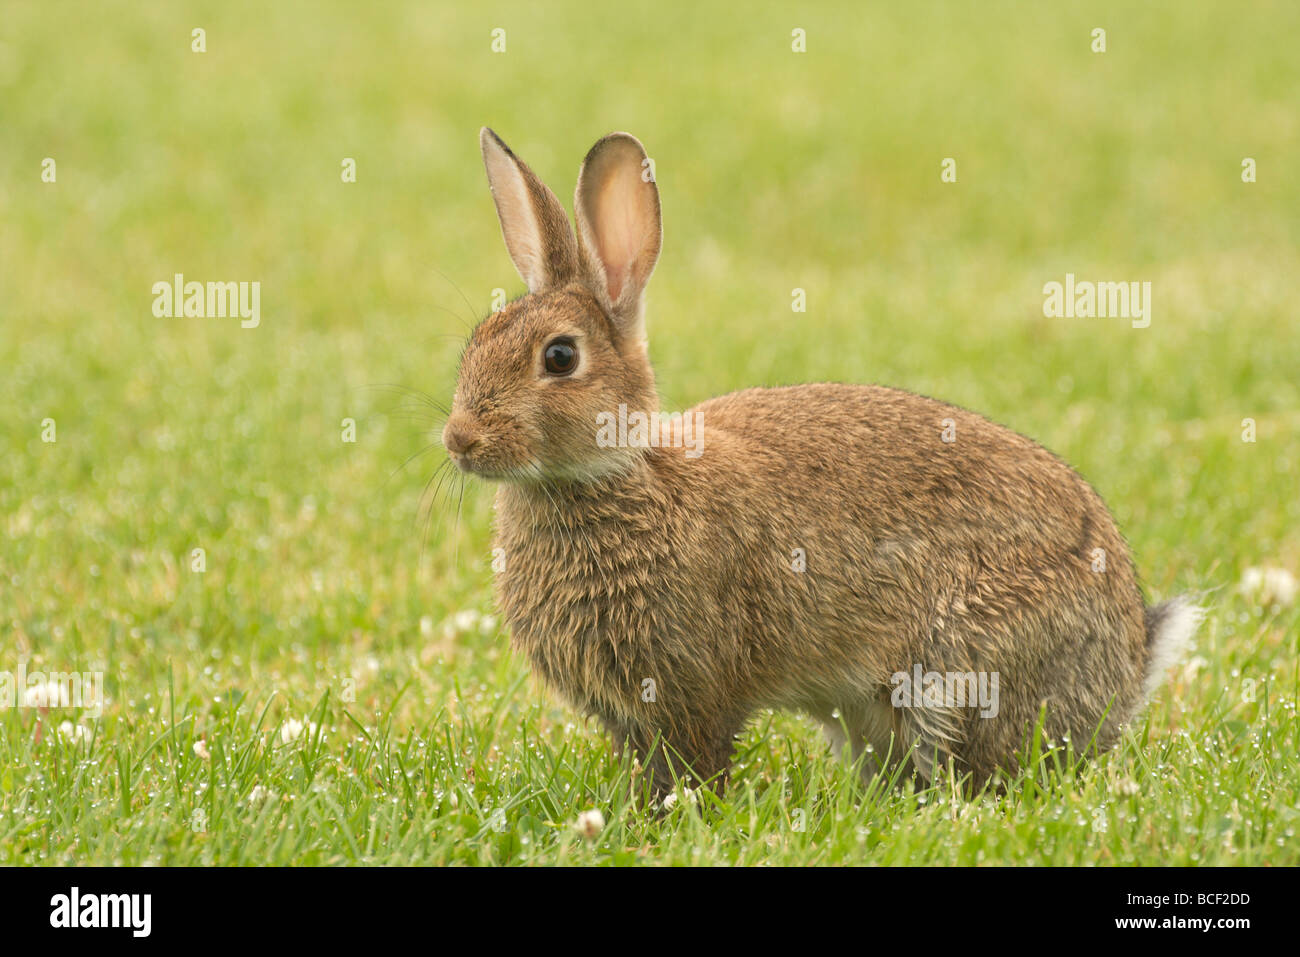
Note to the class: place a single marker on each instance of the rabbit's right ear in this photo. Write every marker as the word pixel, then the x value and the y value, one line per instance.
pixel 536 230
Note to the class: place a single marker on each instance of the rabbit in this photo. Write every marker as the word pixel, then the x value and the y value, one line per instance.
pixel 825 549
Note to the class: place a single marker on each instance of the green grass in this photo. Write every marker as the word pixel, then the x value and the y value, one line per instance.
pixel 325 597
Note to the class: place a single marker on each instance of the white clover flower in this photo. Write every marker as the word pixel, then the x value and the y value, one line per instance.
pixel 293 729
pixel 671 801
pixel 48 694
pixel 590 823
pixel 73 732
pixel 1270 586
pixel 201 749
pixel 260 795
pixel 466 620
pixel 1126 786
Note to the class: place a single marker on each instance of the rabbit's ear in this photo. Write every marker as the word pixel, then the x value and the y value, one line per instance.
pixel 536 230
pixel 619 229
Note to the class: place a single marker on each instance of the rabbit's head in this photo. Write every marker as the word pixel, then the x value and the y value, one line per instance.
pixel 536 376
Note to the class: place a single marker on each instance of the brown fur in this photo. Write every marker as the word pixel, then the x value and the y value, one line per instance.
pixel 627 564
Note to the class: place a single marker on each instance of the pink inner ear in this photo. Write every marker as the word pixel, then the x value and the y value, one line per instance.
pixel 620 227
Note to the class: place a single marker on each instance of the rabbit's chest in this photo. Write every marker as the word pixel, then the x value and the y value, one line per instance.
pixel 583 605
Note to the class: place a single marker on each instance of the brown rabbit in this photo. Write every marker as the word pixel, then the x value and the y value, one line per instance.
pixel 877 559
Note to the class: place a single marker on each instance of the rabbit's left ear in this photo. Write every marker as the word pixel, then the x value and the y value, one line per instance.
pixel 620 231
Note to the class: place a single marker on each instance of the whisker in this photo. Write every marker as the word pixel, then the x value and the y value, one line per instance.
pixel 472 311
pixel 456 534
pixel 446 481
pixel 395 387
pixel 418 415
pixel 416 410
pixel 420 510
pixel 424 451
pixel 437 491
pixel 428 512
pixel 407 392
pixel 455 315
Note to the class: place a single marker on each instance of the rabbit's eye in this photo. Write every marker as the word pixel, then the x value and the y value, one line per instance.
pixel 561 358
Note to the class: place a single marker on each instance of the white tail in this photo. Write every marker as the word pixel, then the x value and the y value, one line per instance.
pixel 1170 627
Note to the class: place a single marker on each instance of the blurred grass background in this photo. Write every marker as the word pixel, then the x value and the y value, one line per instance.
pixel 778 170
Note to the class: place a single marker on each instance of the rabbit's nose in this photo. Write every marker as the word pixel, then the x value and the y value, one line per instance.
pixel 457 437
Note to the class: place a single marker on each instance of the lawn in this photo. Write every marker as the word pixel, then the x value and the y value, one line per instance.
pixel 297 634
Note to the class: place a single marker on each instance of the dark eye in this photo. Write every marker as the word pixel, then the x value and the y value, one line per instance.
pixel 561 357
